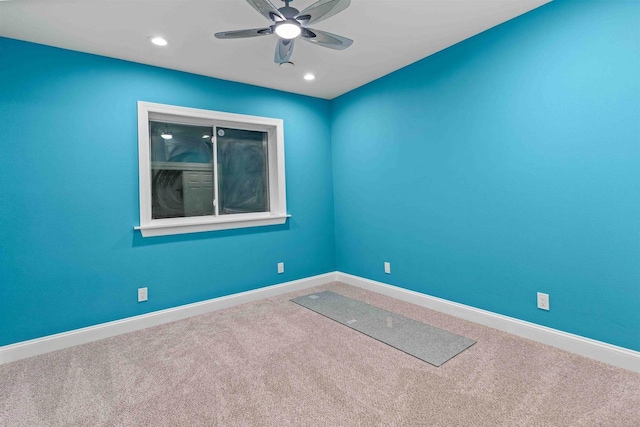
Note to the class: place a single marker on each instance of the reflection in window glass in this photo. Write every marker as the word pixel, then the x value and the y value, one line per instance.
pixel 242 171
pixel 181 170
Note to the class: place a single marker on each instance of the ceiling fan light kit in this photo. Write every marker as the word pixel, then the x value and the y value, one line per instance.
pixel 289 24
pixel 288 30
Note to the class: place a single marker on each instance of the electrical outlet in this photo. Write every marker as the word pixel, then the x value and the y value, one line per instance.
pixel 387 267
pixel 143 294
pixel 543 301
pixel 280 267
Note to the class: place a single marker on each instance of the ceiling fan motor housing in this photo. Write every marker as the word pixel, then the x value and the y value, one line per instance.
pixel 288 12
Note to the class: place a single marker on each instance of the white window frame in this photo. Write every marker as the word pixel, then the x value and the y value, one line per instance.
pixel 275 151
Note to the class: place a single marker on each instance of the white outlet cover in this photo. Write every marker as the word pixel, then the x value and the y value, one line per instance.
pixel 387 267
pixel 280 267
pixel 543 301
pixel 142 294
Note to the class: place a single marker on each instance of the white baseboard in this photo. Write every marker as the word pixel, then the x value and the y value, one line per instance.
pixel 24 349
pixel 607 353
pixel 603 352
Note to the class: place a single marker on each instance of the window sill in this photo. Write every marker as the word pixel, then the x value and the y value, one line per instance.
pixel 167 227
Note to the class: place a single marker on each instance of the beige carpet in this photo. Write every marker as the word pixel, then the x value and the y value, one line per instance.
pixel 274 363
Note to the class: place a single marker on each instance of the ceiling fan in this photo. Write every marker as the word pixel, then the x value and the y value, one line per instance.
pixel 289 23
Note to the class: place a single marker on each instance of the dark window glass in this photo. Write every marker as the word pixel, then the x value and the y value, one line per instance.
pixel 242 171
pixel 181 170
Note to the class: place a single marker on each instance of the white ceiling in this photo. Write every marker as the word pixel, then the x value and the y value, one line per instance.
pixel 387 34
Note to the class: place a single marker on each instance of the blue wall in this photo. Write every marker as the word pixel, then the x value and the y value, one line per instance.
pixel 505 165
pixel 69 257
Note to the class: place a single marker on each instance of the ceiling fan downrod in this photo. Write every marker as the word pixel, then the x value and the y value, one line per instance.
pixel 288 11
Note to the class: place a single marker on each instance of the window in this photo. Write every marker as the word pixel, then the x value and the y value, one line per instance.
pixel 206 170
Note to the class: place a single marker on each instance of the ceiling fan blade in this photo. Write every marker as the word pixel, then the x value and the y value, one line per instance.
pixel 324 39
pixel 322 10
pixel 284 50
pixel 266 9
pixel 241 34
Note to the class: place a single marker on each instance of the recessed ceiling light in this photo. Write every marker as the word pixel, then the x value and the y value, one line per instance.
pixel 206 136
pixel 166 135
pixel 309 77
pixel 158 41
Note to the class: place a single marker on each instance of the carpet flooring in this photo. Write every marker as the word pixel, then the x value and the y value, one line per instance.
pixel 275 363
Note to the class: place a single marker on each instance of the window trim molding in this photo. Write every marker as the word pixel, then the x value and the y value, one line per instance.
pixel 277 187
